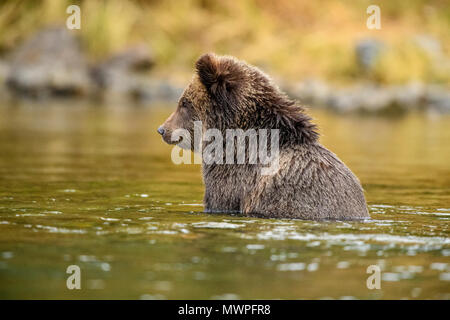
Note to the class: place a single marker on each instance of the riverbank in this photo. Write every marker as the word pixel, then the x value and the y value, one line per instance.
pixel 52 64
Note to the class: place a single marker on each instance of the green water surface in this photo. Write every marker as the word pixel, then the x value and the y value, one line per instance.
pixel 95 187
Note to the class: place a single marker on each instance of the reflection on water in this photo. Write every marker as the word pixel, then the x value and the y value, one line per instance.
pixel 95 187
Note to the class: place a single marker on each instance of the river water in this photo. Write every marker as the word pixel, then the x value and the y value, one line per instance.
pixel 95 187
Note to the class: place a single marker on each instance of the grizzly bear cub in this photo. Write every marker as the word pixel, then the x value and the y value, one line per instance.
pixel 310 183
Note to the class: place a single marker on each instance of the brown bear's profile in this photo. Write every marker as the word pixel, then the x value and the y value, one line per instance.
pixel 310 183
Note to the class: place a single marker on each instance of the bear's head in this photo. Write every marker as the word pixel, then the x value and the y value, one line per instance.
pixel 226 93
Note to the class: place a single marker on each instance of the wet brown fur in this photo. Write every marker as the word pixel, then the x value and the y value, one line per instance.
pixel 311 183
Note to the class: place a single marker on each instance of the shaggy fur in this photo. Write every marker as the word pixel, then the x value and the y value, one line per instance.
pixel 311 183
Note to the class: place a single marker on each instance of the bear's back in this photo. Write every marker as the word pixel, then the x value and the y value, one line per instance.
pixel 311 183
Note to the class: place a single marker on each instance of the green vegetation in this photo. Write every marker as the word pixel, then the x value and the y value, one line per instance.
pixel 292 38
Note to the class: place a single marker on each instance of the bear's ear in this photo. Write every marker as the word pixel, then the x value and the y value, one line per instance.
pixel 220 75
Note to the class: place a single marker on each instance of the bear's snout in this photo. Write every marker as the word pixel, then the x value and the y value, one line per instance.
pixel 161 130
pixel 165 133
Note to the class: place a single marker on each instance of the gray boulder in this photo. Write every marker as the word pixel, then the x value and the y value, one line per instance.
pixel 408 96
pixel 438 99
pixel 124 75
pixel 159 90
pixel 367 52
pixel 311 91
pixel 366 98
pixel 49 63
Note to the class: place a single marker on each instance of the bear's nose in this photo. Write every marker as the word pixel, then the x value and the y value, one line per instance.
pixel 161 130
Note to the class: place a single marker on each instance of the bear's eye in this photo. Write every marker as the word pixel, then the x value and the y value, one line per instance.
pixel 185 104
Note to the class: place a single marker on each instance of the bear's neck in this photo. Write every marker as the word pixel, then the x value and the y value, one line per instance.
pixel 275 111
pixel 291 131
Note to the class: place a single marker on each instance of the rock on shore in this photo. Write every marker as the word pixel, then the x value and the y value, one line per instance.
pixel 372 98
pixel 49 63
pixel 52 63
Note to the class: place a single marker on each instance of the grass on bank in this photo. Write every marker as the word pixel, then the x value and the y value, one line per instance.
pixel 291 38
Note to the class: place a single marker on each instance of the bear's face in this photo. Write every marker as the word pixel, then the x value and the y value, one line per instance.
pixel 205 99
pixel 190 108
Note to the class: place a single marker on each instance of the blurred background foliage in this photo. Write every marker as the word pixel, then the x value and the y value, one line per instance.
pixel 294 39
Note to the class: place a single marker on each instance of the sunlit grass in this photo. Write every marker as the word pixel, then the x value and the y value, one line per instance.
pixel 294 39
